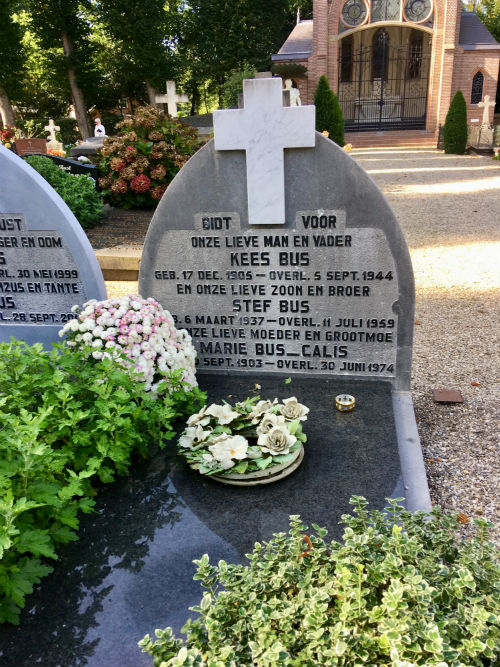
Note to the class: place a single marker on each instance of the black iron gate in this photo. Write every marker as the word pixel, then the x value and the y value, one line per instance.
pixel 384 87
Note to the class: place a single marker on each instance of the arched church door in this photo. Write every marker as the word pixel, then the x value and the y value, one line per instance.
pixel 383 83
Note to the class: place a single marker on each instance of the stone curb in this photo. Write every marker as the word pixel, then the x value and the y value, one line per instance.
pixel 416 488
pixel 119 263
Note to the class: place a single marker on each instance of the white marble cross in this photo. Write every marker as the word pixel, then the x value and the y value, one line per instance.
pixel 486 110
pixel 171 99
pixel 52 129
pixel 264 128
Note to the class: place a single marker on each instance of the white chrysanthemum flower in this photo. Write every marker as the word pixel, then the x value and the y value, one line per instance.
pixel 277 441
pixel 118 325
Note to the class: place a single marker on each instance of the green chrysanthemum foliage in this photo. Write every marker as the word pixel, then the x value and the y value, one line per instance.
pixel 67 426
pixel 328 112
pixel 401 590
pixel 455 126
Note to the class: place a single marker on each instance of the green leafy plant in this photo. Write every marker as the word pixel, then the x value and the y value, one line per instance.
pixel 68 424
pixel 78 191
pixel 138 165
pixel 29 129
pixel 455 126
pixel 329 116
pixel 233 86
pixel 400 590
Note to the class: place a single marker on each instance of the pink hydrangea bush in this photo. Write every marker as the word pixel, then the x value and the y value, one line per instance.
pixel 138 164
pixel 138 328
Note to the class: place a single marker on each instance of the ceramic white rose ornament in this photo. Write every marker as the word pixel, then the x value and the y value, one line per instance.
pixel 253 442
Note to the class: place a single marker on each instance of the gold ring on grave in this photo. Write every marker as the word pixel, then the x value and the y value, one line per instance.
pixel 345 402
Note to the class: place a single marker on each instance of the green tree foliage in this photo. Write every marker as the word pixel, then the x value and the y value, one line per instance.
pixel 489 13
pixel 234 86
pixel 43 88
pixel 11 60
pixel 455 126
pixel 328 112
pixel 220 36
pixel 141 34
pixel 60 25
pixel 93 52
pixel 303 7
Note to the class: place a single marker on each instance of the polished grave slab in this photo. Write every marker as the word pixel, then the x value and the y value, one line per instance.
pixel 131 570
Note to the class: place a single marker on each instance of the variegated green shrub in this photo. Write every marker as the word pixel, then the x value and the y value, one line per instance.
pixel 401 590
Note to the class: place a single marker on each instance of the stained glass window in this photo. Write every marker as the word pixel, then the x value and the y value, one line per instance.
pixel 418 10
pixel 477 88
pixel 354 13
pixel 385 10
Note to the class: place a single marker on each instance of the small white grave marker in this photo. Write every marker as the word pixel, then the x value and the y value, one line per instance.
pixel 264 128
pixel 171 99
pixel 485 105
pixel 52 142
pixel 51 128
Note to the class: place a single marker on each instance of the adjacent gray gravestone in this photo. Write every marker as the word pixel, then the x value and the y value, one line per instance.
pixel 46 262
pixel 90 147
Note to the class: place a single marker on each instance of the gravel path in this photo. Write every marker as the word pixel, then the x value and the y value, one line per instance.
pixel 448 207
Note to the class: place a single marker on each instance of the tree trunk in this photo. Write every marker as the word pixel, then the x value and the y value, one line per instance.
pixel 6 112
pixel 152 95
pixel 76 92
pixel 195 98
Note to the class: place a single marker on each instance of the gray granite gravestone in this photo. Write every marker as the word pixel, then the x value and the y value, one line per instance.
pixel 320 287
pixel 46 262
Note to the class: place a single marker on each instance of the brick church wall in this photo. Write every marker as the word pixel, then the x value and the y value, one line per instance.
pixel 467 63
pixel 452 68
